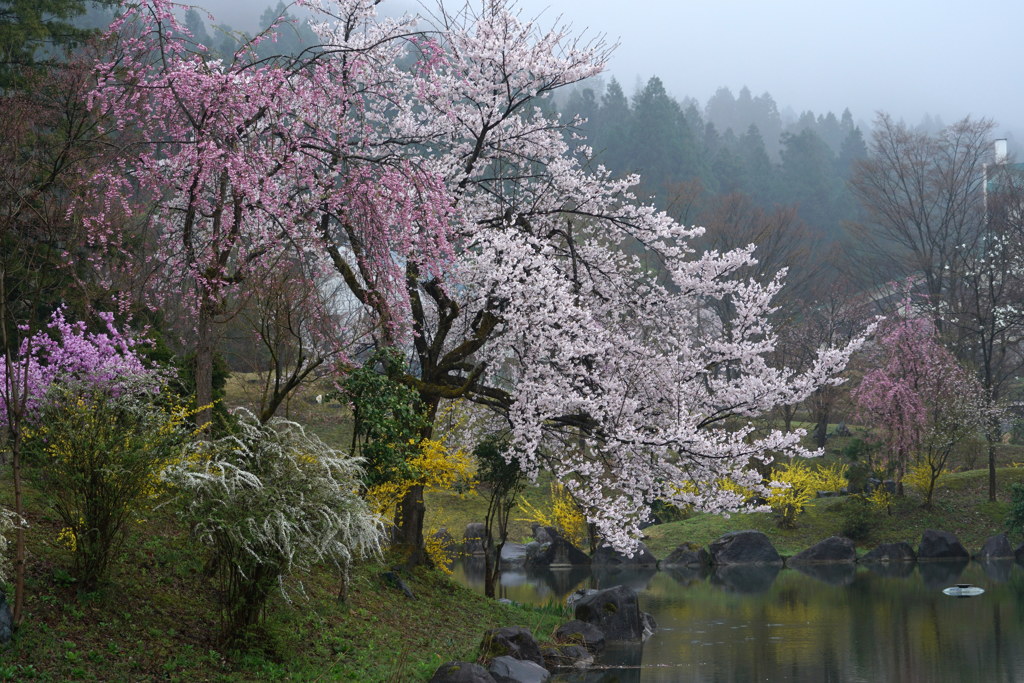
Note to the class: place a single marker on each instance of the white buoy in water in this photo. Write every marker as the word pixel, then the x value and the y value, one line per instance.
pixel 963 590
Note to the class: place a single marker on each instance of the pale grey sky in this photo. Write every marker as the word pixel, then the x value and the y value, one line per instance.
pixel 906 57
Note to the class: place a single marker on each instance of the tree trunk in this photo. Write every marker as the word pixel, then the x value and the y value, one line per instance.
pixel 204 366
pixel 15 394
pixel 408 535
pixel 18 612
pixel 991 468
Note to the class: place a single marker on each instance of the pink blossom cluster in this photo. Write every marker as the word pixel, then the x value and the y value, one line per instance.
pixel 241 164
pixel 107 361
pixel 916 390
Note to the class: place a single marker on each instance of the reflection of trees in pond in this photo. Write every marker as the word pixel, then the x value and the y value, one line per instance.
pixel 875 628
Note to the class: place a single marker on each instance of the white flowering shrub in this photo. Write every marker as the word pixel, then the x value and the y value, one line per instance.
pixel 268 501
pixel 9 521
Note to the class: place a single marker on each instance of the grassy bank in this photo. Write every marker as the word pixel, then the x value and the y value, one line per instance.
pixel 157 619
pixel 960 506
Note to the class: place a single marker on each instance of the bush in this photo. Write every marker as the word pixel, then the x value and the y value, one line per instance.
pixel 96 460
pixel 267 501
pixel 795 484
pixel 1015 518
pixel 859 518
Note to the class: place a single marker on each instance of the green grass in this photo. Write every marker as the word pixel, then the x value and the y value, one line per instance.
pixel 157 619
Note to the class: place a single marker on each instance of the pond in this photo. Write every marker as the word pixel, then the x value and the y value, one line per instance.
pixel 839 623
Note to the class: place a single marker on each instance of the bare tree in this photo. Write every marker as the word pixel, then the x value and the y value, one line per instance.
pixel 924 202
pixel 943 216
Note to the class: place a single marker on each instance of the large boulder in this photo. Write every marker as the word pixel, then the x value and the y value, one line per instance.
pixel 744 547
pixel 940 545
pixel 511 670
pixel 544 534
pixel 513 555
pixel 461 672
pixel 578 632
pixel 473 539
pixel 615 611
pixel 511 641
pixel 565 656
pixel 832 549
pixel 686 555
pixel 996 547
pixel 558 553
pixel 890 552
pixel 606 556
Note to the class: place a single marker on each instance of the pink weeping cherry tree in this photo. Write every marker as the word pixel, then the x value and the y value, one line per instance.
pixel 415 161
pixel 919 399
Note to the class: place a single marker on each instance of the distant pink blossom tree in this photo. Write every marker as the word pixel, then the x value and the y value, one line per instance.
pixel 918 398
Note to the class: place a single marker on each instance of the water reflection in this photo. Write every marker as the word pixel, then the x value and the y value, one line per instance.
pixel 939 574
pixel 883 622
pixel 745 578
pixel 839 574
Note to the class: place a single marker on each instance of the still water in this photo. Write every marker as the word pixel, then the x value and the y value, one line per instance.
pixel 837 623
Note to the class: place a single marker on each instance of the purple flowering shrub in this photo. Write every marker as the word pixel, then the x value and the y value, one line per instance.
pixel 98 431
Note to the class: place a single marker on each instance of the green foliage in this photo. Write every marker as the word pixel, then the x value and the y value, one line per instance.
pixel 504 480
pixel 26 26
pixel 859 518
pixel 267 501
pixel 1015 518
pixel 387 415
pixel 859 450
pixel 96 459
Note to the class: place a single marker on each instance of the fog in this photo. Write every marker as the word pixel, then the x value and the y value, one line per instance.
pixel 910 58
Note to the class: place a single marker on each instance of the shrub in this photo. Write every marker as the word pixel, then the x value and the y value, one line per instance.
pixel 859 518
pixel 1015 517
pixel 796 484
pixel 268 501
pixel 565 515
pixel 96 459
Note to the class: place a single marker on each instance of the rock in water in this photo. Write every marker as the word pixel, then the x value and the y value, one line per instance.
pixel 744 547
pixel 890 552
pixel 941 545
pixel 615 611
pixel 512 670
pixel 512 641
pixel 996 548
pixel 832 549
pixel 461 672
